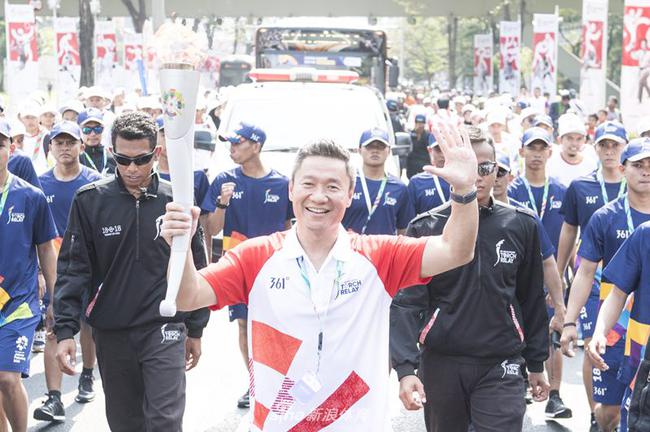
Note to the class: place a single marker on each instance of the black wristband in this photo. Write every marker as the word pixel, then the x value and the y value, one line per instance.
pixel 463 199
pixel 569 324
pixel 222 206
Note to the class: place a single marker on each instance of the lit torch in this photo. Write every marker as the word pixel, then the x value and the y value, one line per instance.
pixel 180 53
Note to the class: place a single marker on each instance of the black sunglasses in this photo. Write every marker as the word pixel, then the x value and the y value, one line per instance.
pixel 502 172
pixel 97 129
pixel 138 160
pixel 486 168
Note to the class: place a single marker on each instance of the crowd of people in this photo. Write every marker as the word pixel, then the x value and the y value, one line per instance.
pixel 514 232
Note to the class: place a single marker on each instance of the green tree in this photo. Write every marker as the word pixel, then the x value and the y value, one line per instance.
pixel 425 46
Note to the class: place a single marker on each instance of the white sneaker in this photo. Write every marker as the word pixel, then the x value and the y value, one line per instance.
pixel 39 341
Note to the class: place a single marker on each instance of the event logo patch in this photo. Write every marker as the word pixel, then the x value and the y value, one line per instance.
pixel 21 347
pixel 14 217
pixel 173 102
pixel 504 256
pixel 270 198
pixel 169 335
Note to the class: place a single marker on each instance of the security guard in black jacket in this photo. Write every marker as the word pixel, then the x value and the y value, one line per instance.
pixel 476 325
pixel 112 268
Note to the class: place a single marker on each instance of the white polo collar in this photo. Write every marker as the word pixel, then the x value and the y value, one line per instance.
pixel 342 251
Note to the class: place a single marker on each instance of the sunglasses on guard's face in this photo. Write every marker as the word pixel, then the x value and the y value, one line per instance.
pixel 138 160
pixel 502 172
pixel 486 168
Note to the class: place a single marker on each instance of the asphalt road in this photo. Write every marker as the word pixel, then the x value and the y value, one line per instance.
pixel 220 378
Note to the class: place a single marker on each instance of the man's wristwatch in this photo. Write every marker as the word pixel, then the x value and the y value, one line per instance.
pixel 222 206
pixel 463 199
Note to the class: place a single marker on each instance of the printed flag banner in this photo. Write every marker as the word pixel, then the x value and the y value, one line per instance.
pixel 544 67
pixel 22 50
pixel 67 53
pixel 635 69
pixel 105 54
pixel 133 60
pixel 593 53
pixel 509 48
pixel 483 79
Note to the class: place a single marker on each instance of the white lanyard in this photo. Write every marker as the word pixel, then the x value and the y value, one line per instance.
pixel 371 207
pixel 436 181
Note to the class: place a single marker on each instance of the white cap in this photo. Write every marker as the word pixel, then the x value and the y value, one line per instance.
pixel 468 107
pixel 17 128
pixel 72 105
pixel 570 123
pixel 30 108
pixel 150 102
pixel 527 112
pixel 96 91
pixel 49 108
pixel 644 125
pixel 496 116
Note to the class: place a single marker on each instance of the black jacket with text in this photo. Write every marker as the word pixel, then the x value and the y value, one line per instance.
pixel 488 310
pixel 113 262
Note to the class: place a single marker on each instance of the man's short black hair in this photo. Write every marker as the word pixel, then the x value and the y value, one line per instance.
pixel 443 103
pixel 477 136
pixel 135 125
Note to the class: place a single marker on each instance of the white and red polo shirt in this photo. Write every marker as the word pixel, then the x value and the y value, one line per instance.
pixel 348 301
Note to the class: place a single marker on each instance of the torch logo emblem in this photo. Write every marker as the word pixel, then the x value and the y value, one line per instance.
pixel 173 102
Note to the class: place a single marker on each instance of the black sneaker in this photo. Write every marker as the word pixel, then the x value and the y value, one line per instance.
pixel 52 410
pixel 593 424
pixel 86 392
pixel 244 401
pixel 555 408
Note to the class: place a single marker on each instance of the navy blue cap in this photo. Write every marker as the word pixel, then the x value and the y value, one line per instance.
pixel 90 114
pixel 522 104
pixel 160 122
pixel 372 135
pixel 66 127
pixel 5 130
pixel 543 119
pixel 247 131
pixel 420 118
pixel 391 105
pixel 535 134
pixel 503 161
pixel 637 149
pixel 611 130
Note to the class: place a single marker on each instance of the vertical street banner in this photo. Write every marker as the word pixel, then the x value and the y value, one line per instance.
pixel 133 60
pixel 22 51
pixel 105 55
pixel 635 69
pixel 593 53
pixel 483 79
pixel 544 67
pixel 509 58
pixel 67 55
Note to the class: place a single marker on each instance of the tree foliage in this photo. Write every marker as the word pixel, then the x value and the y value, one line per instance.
pixel 425 49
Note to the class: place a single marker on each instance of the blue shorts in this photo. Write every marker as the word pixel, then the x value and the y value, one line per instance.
pixel 588 315
pixel 16 345
pixel 238 311
pixel 607 389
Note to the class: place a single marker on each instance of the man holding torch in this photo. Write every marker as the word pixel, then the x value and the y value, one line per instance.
pixel 319 297
pixel 111 268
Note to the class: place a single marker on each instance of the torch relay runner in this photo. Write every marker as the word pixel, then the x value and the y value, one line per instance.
pixel 319 297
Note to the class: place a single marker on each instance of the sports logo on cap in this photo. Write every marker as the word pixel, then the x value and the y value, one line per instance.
pixel 611 130
pixel 636 150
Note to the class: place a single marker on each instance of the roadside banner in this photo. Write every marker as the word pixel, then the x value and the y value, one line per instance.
pixel 483 77
pixel 544 67
pixel 509 49
pixel 635 69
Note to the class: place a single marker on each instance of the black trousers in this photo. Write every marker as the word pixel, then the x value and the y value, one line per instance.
pixel 490 396
pixel 143 375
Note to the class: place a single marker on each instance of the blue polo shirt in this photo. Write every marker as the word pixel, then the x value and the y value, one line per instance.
pixel 629 270
pixel 393 212
pixel 259 206
pixel 605 233
pixel 583 197
pixel 552 218
pixel 424 194
pixel 201 186
pixel 21 165
pixel 25 222
pixel 59 194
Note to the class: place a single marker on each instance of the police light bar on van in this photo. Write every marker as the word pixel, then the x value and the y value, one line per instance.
pixel 304 74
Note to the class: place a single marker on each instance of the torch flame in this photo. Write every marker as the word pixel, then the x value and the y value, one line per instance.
pixel 178 47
